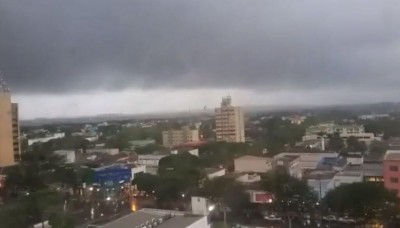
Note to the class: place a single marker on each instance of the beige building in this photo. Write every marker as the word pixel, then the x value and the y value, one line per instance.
pixel 175 137
pixel 229 122
pixel 255 164
pixel 9 129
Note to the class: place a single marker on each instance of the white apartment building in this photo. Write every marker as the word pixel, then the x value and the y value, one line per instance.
pixel 345 131
pixel 229 122
pixel 176 137
pixel 46 139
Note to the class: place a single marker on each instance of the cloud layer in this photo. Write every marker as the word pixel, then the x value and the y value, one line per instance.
pixel 63 47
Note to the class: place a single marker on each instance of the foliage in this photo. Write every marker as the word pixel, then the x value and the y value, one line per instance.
pixel 61 220
pixel 217 187
pixel 336 143
pixel 353 145
pixel 66 143
pixel 146 182
pixel 363 200
pixel 30 209
pixel 389 127
pixel 219 153
pixel 377 149
pixel 122 138
pixel 178 174
pixel 289 192
pixel 279 133
pixel 206 129
pixel 237 200
pixel 184 167
pixel 148 149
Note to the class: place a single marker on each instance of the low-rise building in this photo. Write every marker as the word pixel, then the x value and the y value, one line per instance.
pixel 215 172
pixel 260 197
pixel 346 178
pixel 47 138
pixel 372 172
pixel 160 219
pixel 344 131
pixel 291 163
pixel 248 178
pixel 255 164
pixel 319 181
pixel 307 161
pixel 141 143
pixel 67 155
pixel 137 169
pixel 150 159
pixel 109 151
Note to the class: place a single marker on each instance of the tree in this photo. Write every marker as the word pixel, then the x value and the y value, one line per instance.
pixel 146 182
pixel 61 220
pixel 184 167
pixel 237 200
pixel 363 200
pixel 289 192
pixel 217 187
pixel 336 142
pixel 354 145
pixel 377 149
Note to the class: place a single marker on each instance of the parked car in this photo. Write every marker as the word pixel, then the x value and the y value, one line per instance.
pixel 273 217
pixel 347 219
pixel 329 218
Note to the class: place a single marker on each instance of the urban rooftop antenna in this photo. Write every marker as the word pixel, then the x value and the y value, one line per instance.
pixel 3 86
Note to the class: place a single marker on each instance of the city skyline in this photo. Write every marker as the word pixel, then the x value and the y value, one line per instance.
pixel 128 56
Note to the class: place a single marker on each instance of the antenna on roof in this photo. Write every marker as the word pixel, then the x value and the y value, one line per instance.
pixel 3 86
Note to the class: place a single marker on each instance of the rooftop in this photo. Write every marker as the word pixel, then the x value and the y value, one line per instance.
pixel 368 169
pixel 393 155
pixel 138 218
pixel 349 174
pixel 250 157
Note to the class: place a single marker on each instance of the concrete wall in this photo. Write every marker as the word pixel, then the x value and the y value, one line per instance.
pixel 199 205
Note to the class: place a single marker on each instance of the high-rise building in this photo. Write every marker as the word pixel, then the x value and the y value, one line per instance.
pixel 9 128
pixel 176 137
pixel 229 122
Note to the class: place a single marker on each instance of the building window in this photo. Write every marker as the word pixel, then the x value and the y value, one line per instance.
pixel 395 191
pixel 393 168
pixel 394 180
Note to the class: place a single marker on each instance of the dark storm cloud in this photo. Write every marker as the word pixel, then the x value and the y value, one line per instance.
pixel 58 46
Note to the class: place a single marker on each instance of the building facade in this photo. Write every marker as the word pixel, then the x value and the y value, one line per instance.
pixel 229 122
pixel 344 131
pixel 391 171
pixel 176 137
pixel 9 129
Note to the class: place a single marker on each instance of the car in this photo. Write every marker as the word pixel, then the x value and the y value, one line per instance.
pixel 347 220
pixel 273 217
pixel 329 218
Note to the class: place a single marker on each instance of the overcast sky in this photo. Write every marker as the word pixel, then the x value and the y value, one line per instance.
pixel 84 57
